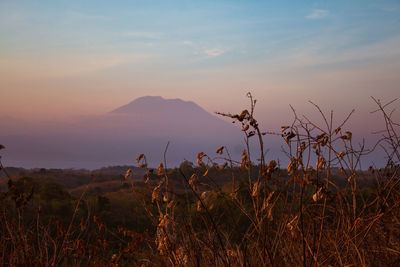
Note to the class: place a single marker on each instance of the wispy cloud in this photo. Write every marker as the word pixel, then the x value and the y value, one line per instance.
pixel 79 15
pixel 316 55
pixel 214 52
pixel 389 9
pixel 143 35
pixel 318 14
pixel 187 42
pixel 67 65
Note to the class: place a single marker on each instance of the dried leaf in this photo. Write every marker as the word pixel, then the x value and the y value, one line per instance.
pixel 204 198
pixel 371 169
pixel 321 163
pixel 139 157
pixel 200 156
pixel 255 190
pixel 292 224
pixel 289 137
pixel 220 150
pixel 156 195
pixel 243 115
pixel 193 181
pixel 223 166
pixel 244 162
pixel 128 174
pixel 170 204
pixel 292 167
pixel 349 135
pixel 303 146
pixel 160 169
pixel 250 134
pixel 318 195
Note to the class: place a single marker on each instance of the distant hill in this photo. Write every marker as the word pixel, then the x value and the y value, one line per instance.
pixel 144 125
pixel 156 116
pixel 159 105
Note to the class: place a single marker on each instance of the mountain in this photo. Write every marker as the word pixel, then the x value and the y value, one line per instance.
pixel 144 125
pixel 153 104
pixel 156 116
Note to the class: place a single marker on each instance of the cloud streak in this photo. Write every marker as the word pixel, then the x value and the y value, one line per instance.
pixel 79 15
pixel 187 42
pixel 66 65
pixel 143 35
pixel 318 14
pixel 214 52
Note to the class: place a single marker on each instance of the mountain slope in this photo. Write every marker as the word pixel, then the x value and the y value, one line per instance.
pixel 145 125
pixel 156 116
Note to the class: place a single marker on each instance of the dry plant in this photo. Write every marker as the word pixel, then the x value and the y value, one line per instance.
pixel 318 211
pixel 313 213
pixel 82 241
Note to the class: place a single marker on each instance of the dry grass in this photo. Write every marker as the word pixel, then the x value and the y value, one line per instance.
pixel 265 216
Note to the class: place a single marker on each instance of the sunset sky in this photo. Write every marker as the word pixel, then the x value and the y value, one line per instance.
pixel 67 58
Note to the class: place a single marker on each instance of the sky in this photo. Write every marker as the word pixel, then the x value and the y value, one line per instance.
pixel 60 59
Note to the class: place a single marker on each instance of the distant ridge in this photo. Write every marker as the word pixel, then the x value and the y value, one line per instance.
pixel 144 125
pixel 158 104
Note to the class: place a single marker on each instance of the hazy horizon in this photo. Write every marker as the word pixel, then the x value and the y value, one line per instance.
pixel 144 125
pixel 65 62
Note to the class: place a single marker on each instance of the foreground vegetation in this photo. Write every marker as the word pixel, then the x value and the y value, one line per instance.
pixel 320 210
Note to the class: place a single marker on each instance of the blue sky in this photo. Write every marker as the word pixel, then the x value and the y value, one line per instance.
pixel 84 57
